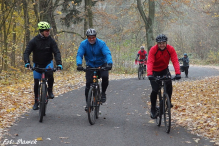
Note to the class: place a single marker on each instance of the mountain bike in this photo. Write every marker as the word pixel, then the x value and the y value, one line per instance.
pixel 42 90
pixel 163 106
pixel 94 96
pixel 141 70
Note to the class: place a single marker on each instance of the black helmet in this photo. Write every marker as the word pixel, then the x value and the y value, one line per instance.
pixel 161 38
pixel 91 31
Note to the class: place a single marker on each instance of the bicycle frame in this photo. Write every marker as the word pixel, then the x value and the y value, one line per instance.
pixel 42 90
pixel 164 103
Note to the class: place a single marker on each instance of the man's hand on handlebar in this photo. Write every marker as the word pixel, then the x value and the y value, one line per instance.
pixel 80 68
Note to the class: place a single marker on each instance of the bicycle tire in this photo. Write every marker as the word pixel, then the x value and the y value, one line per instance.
pixel 139 73
pixel 167 113
pixel 98 97
pixel 91 106
pixel 143 73
pixel 159 108
pixel 42 102
pixel 46 100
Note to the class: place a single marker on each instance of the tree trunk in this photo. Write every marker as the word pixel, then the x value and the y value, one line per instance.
pixel 26 22
pixel 149 22
pixel 90 14
pixel 85 18
pixel 13 46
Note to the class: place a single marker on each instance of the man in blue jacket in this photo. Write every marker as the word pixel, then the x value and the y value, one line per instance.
pixel 96 54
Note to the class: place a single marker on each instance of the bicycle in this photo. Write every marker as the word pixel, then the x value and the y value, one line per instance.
pixel 163 103
pixel 94 96
pixel 141 70
pixel 42 90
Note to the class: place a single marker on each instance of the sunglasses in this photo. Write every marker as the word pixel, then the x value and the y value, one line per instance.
pixel 91 37
pixel 47 30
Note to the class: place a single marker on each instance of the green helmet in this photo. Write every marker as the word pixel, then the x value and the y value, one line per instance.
pixel 43 25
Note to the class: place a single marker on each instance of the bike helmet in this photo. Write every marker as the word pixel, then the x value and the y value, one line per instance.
pixel 185 54
pixel 161 38
pixel 91 31
pixel 43 25
pixel 142 47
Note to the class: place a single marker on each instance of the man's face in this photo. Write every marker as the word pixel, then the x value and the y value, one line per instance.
pixel 162 45
pixel 91 39
pixel 45 33
pixel 184 56
pixel 142 50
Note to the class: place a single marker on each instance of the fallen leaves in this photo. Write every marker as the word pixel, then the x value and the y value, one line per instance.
pixel 196 106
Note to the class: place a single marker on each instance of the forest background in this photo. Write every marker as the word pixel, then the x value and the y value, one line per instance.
pixel 125 25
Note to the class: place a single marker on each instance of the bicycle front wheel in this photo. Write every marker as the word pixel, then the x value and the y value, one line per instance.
pixel 139 73
pixel 42 102
pixel 98 102
pixel 91 106
pixel 143 73
pixel 159 109
pixel 167 112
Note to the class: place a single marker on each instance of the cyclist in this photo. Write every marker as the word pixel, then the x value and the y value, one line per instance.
pixel 143 55
pixel 96 54
pixel 157 65
pixel 185 66
pixel 43 48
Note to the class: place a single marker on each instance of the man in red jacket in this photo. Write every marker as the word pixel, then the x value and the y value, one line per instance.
pixel 143 56
pixel 157 65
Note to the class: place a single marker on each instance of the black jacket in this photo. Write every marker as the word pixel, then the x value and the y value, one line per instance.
pixel 43 49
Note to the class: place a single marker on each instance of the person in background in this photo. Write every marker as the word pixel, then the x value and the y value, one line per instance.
pixel 185 66
pixel 43 48
pixel 142 54
pixel 157 65
pixel 96 54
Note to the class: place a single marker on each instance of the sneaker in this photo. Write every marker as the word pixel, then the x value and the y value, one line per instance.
pixel 35 106
pixel 51 96
pixel 171 105
pixel 153 112
pixel 86 108
pixel 103 98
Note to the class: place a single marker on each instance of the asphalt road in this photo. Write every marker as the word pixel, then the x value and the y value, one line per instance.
pixel 124 119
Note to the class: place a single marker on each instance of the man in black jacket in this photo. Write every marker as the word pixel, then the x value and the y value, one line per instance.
pixel 185 66
pixel 43 48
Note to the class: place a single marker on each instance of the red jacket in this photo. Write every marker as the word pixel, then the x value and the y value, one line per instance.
pixel 158 60
pixel 142 54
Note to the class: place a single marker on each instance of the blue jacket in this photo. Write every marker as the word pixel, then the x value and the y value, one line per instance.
pixel 95 55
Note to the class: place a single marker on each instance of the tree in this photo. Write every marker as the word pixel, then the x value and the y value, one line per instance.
pixel 148 21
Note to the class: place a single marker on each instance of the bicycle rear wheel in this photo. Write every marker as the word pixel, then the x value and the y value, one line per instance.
pixel 167 112
pixel 42 102
pixel 91 106
pixel 159 108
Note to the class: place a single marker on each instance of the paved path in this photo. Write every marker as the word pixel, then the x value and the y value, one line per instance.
pixel 124 120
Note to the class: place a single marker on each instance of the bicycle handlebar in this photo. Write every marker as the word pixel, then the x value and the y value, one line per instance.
pixel 93 69
pixel 164 78
pixel 43 69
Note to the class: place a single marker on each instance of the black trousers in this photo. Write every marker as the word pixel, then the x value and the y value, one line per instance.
pixel 89 79
pixel 186 69
pixel 156 86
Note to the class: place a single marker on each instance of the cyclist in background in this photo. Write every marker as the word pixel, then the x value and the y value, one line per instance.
pixel 143 55
pixel 185 66
pixel 43 48
pixel 157 65
pixel 96 54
